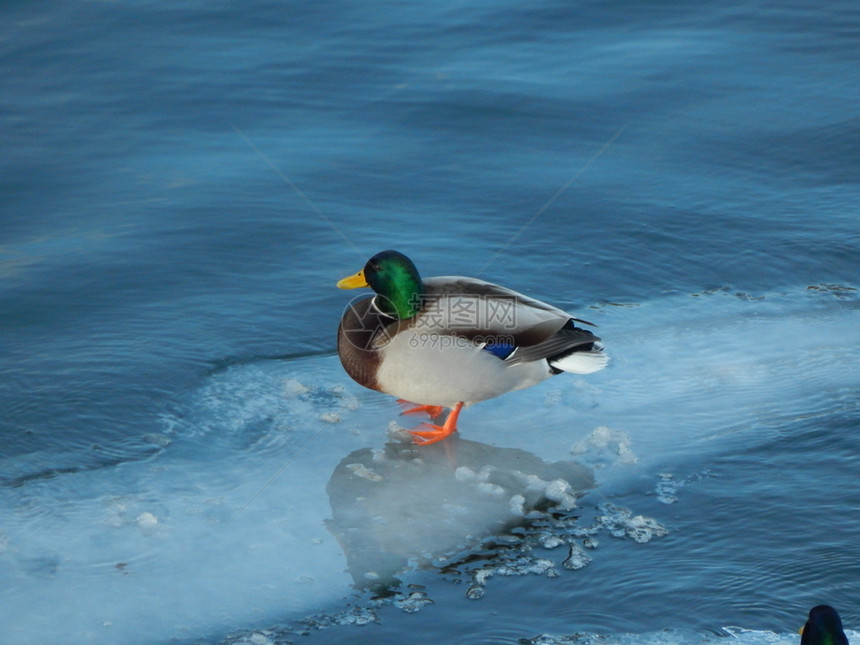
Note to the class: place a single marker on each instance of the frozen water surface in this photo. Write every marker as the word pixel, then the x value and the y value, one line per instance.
pixel 277 490
pixel 727 636
pixel 182 186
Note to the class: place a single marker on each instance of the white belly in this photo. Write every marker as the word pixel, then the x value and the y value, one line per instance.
pixel 443 370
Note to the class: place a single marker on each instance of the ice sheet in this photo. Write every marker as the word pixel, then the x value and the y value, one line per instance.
pixel 225 524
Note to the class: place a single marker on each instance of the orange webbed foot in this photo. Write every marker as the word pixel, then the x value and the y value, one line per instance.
pixel 432 411
pixel 434 432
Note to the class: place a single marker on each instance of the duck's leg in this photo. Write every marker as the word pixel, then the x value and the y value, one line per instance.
pixel 432 411
pixel 437 433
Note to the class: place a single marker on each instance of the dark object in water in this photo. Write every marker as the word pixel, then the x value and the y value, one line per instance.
pixel 823 627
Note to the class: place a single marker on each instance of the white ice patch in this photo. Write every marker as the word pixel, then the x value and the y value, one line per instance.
pixel 509 564
pixel 735 635
pixel 621 522
pixel 360 470
pixel 416 505
pixel 225 521
pixel 412 602
pixel 148 523
pixel 605 446
pixel 517 505
pixel 576 558
pixel 668 485
pixel 225 524
pixel 689 376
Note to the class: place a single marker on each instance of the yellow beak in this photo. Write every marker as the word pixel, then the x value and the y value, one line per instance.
pixel 353 281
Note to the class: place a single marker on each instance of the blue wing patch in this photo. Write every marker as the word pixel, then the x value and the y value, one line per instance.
pixel 499 349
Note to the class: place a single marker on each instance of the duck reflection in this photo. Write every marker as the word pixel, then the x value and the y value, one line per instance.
pixel 404 502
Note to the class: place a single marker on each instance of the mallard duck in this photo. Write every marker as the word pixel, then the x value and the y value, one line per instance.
pixel 450 341
pixel 823 627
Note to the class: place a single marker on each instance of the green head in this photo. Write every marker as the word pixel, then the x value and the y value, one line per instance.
pixel 824 627
pixel 393 276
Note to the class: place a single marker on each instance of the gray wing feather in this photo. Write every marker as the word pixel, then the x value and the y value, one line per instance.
pixel 474 308
pixel 564 341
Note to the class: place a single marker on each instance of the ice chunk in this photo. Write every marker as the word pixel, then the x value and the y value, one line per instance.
pixel 666 488
pixel 293 388
pixel 434 501
pixel 262 637
pixel 517 505
pixel 512 563
pixel 670 637
pixel 356 616
pixel 491 489
pixel 397 432
pixel 413 602
pixel 557 490
pixel 549 540
pixel 465 474
pixel 528 565
pixel 620 522
pixel 560 492
pixel 576 559
pixel 362 471
pixel 475 592
pixel 605 446
pixel 482 575
pixel 147 522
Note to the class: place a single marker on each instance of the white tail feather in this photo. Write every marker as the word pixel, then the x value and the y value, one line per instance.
pixel 581 362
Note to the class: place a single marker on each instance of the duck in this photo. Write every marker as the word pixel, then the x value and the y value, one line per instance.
pixel 446 342
pixel 823 627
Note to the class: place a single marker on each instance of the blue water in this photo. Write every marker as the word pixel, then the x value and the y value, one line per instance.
pixel 183 183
